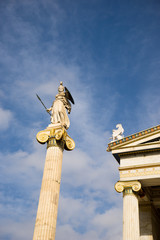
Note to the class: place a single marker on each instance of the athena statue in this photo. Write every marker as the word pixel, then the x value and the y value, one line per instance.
pixel 61 105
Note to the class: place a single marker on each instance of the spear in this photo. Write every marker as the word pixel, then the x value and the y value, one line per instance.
pixel 42 103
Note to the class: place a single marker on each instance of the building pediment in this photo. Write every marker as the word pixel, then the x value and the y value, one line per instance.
pixel 143 141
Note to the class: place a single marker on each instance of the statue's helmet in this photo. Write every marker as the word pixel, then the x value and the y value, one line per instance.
pixel 61 89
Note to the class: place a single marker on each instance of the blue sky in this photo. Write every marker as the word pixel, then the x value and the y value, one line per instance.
pixel 107 53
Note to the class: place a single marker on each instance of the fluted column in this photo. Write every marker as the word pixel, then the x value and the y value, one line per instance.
pixel 146 219
pixel 130 209
pixel 57 139
pixel 45 226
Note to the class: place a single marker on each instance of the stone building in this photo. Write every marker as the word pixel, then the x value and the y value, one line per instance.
pixel 138 156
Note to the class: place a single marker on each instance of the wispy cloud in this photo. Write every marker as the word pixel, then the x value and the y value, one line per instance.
pixel 6 116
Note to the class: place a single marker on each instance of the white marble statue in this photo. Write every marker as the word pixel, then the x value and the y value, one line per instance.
pixel 117 134
pixel 60 105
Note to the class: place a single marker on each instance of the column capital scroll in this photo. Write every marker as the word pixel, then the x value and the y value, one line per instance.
pixel 55 135
pixel 134 185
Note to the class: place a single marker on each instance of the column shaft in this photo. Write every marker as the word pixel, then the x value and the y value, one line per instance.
pixel 145 212
pixel 45 226
pixel 130 215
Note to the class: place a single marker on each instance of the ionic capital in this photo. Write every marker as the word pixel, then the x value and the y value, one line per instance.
pixel 56 135
pixel 121 186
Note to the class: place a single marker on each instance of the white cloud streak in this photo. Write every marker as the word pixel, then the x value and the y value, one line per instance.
pixel 6 117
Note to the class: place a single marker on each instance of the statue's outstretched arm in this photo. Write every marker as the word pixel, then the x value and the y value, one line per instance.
pixel 48 109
